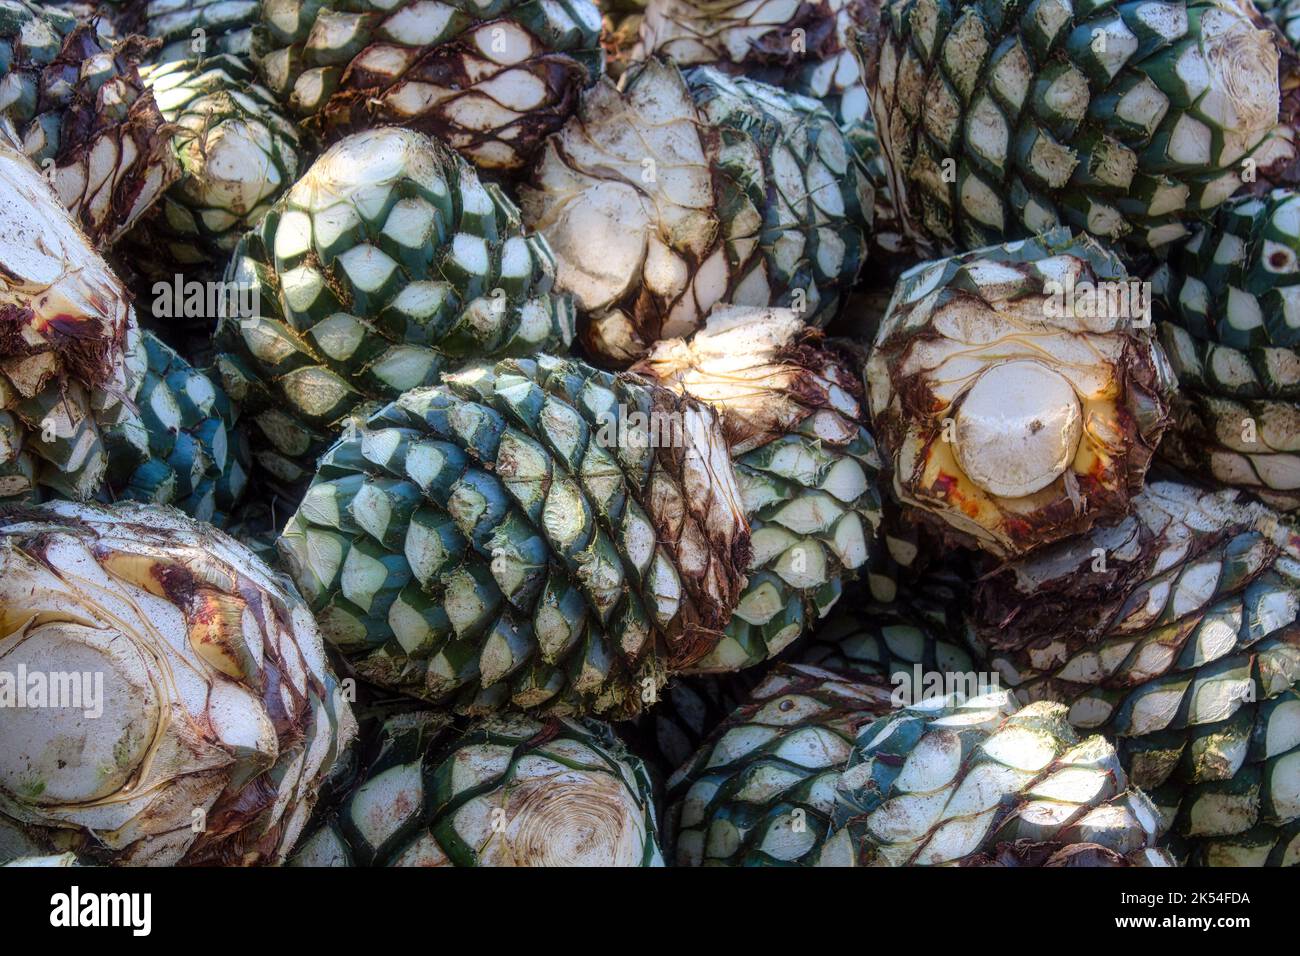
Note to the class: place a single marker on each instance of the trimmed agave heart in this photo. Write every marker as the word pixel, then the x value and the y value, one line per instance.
pixel 207 697
pixel 1018 390
pixel 976 782
pixel 674 192
pixel 83 114
pixel 505 791
pixel 807 467
pixel 64 320
pixel 1173 632
pixel 386 261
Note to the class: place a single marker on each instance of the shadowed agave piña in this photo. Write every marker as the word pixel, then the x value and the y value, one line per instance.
pixel 1231 328
pixel 82 113
pixel 488 79
pixel 761 790
pixel 506 791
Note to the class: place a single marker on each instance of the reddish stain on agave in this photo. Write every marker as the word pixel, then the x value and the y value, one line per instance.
pixel 948 487
pixel 945 485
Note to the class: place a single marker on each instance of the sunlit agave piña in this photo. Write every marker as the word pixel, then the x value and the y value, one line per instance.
pixel 1173 632
pixel 1127 121
pixel 674 192
pixel 1018 391
pixel 976 782
pixel 791 406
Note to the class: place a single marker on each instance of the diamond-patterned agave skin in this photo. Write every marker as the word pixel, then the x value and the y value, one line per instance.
pixel 1127 120
pixel 237 155
pixel 1230 311
pixel 506 791
pixel 82 113
pixel 903 551
pixel 1278 158
pixel 807 468
pixel 386 260
pixel 489 79
pixel 759 41
pixel 1237 281
pixel 688 709
pixel 921 627
pixel 254 525
pixel 161 433
pixel 976 782
pixel 175 441
pixel 761 790
pixel 1018 390
pixel 1250 444
pixel 216 695
pixel 103 13
pixel 192 30
pixel 1174 633
pixel 64 320
pixel 892 248
pixel 674 192
pixel 815 201
pixel 539 535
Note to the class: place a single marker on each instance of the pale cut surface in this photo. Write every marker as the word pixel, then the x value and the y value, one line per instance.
pixel 1018 428
pixel 184 634
pixel 1019 391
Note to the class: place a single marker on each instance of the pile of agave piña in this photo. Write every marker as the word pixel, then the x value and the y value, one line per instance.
pixel 671 432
